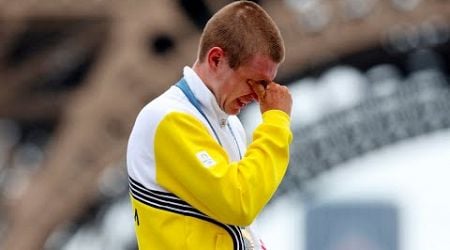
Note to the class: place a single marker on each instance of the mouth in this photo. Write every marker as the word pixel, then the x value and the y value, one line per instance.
pixel 242 102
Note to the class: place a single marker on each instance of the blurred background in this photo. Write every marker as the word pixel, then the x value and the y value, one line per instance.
pixel 371 119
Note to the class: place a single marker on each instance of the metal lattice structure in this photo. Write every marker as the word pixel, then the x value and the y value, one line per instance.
pixel 414 109
pixel 134 50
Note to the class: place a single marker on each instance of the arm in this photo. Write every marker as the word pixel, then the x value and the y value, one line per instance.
pixel 230 192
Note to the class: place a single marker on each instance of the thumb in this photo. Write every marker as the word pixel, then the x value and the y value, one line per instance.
pixel 258 89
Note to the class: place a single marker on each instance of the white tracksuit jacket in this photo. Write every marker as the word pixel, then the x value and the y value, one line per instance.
pixel 188 191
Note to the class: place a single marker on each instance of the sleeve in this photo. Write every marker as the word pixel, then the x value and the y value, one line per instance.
pixel 193 166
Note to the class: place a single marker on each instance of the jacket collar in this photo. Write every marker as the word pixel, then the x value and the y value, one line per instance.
pixel 205 97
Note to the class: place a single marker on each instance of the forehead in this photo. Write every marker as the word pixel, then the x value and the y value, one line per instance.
pixel 259 68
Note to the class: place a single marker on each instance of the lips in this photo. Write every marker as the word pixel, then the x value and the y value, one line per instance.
pixel 242 102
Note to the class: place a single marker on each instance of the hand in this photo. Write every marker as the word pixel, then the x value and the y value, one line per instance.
pixel 272 96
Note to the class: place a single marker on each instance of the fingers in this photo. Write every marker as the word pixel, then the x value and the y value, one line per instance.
pixel 258 89
pixel 277 97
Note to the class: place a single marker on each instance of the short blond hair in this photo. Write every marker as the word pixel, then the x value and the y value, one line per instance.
pixel 242 29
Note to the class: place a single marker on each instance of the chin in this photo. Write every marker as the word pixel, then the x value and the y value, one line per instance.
pixel 233 112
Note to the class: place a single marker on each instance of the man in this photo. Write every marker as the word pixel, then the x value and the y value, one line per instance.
pixel 194 183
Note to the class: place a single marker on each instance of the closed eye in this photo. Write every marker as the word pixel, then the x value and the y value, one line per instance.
pixel 263 83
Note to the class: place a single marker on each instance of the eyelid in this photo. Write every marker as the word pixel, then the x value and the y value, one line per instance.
pixel 263 83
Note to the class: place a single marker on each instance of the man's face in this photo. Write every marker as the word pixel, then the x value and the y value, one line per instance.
pixel 235 92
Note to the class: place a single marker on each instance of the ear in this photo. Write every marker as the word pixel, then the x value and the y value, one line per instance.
pixel 215 56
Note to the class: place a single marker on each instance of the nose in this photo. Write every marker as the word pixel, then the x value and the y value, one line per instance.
pixel 252 94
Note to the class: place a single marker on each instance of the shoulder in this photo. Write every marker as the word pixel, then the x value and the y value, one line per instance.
pixel 172 100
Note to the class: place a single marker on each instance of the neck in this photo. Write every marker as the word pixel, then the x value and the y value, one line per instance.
pixel 201 70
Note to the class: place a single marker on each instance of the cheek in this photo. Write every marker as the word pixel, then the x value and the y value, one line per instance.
pixel 233 89
pixel 243 89
pixel 240 90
